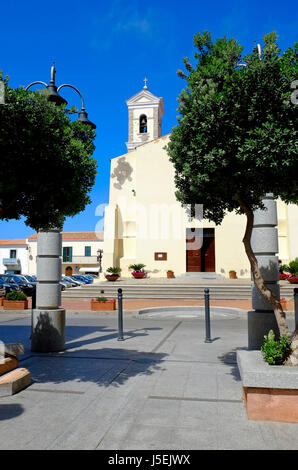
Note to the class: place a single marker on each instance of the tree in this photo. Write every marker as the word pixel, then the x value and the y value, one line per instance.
pixel 236 137
pixel 46 169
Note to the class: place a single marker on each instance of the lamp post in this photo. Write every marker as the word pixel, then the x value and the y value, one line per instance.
pixel 48 318
pixel 99 258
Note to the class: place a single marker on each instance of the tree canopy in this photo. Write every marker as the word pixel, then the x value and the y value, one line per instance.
pixel 46 168
pixel 236 137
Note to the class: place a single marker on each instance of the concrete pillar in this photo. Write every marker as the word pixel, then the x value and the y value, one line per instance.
pixel 48 318
pixel 265 246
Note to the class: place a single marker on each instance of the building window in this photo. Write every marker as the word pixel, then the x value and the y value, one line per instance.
pixel 13 254
pixel 87 250
pixel 67 254
pixel 143 124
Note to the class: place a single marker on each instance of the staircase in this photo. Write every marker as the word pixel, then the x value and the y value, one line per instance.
pixel 170 289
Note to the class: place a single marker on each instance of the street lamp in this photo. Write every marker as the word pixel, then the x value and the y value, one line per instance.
pixel 53 96
pixel 48 317
pixel 99 258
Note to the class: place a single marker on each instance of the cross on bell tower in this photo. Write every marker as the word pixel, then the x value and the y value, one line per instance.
pixel 145 112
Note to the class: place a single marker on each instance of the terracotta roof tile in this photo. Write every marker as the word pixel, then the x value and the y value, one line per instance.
pixel 17 241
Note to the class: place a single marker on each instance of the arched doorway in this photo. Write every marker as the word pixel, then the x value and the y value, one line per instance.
pixel 68 271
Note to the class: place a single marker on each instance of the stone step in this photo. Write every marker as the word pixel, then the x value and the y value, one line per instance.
pixel 14 381
pixel 7 364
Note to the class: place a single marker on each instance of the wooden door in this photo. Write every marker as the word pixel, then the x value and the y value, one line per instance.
pixel 68 271
pixel 193 257
pixel 201 259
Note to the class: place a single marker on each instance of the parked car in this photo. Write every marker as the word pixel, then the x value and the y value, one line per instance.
pixel 89 277
pixel 80 282
pixel 23 284
pixel 30 279
pixel 10 282
pixel 6 287
pixel 82 278
pixel 70 281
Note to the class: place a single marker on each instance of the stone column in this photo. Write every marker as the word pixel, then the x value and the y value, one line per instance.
pixel 48 318
pixel 265 246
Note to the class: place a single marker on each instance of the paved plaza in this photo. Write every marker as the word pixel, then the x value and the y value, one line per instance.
pixel 162 387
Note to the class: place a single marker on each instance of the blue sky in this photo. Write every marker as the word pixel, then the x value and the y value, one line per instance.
pixel 106 49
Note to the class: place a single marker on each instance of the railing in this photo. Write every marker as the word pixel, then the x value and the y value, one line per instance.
pixel 82 260
pixel 11 262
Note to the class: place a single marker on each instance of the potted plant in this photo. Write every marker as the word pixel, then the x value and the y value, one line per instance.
pixel 292 269
pixel 232 274
pixel 102 303
pixel 15 300
pixel 284 303
pixel 282 274
pixel 170 274
pixel 114 273
pixel 138 270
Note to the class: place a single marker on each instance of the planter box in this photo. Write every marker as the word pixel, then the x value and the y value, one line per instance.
pixel 292 280
pixel 101 305
pixel 232 275
pixel 170 275
pixel 138 275
pixel 15 304
pixel 270 393
pixel 285 304
pixel 112 277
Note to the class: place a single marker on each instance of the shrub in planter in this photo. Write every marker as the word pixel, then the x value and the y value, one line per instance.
pixel 137 270
pixel 292 269
pixel 15 300
pixel 232 274
pixel 170 273
pixel 275 352
pixel 113 273
pixel 102 303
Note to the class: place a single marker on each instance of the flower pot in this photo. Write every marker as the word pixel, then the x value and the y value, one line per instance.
pixel 282 276
pixel 112 277
pixel 1 301
pixel 15 304
pixel 103 305
pixel 170 274
pixel 138 275
pixel 233 275
pixel 293 280
pixel 285 304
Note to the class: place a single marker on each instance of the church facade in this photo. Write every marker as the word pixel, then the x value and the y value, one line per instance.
pixel 145 224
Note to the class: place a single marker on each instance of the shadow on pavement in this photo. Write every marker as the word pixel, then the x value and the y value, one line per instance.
pixel 8 411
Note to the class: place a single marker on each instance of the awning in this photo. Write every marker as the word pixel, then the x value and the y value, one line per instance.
pixel 91 269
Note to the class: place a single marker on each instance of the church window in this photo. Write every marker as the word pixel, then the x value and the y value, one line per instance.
pixel 143 124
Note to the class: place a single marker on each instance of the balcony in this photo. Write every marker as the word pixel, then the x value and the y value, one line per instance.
pixel 12 263
pixel 82 260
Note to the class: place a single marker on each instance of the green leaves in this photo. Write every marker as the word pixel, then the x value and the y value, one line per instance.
pixel 275 352
pixel 46 169
pixel 237 132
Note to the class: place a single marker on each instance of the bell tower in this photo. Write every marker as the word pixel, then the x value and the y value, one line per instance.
pixel 145 112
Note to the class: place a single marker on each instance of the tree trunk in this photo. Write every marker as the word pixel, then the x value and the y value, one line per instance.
pixel 257 276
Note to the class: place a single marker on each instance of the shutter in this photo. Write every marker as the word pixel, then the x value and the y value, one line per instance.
pixel 70 254
pixel 64 255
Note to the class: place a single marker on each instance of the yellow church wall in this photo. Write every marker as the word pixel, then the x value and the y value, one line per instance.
pixel 150 220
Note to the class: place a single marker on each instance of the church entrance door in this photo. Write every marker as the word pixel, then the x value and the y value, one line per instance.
pixel 200 259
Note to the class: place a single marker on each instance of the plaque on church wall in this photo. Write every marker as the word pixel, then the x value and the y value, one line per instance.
pixel 160 256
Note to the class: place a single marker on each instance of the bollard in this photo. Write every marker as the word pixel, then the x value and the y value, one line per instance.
pixel 296 305
pixel 120 316
pixel 207 316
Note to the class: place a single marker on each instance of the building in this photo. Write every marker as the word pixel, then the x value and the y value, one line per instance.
pixel 80 252
pixel 145 224
pixel 14 256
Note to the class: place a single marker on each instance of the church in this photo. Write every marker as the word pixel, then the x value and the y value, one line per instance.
pixel 145 224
